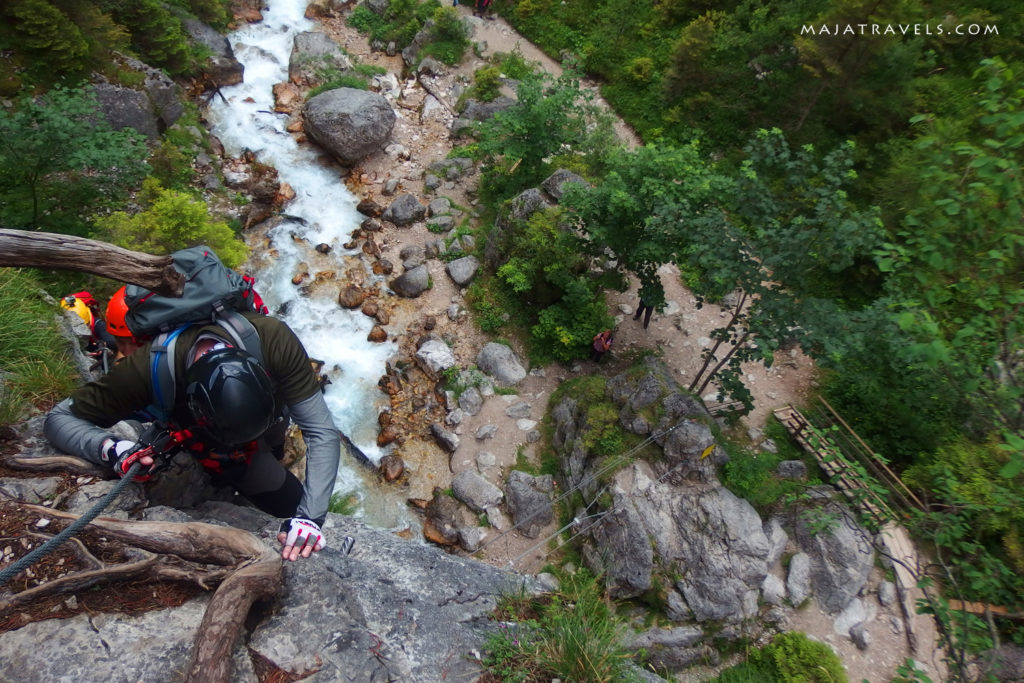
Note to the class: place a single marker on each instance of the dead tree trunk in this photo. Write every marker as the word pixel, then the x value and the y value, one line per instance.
pixel 22 248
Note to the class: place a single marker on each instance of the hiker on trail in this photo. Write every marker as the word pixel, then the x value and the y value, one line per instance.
pixel 644 309
pixel 480 8
pixel 602 343
pixel 235 408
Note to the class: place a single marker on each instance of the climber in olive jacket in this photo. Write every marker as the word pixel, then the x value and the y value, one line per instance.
pixel 237 408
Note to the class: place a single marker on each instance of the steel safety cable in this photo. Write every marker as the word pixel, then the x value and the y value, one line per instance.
pixel 42 551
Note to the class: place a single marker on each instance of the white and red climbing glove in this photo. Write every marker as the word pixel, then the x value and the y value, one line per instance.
pixel 123 454
pixel 301 534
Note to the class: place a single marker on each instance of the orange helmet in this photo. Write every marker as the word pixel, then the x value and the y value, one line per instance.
pixel 117 309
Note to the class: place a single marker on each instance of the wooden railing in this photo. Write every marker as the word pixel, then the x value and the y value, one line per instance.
pixel 820 430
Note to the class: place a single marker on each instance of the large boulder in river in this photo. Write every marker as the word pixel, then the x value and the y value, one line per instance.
pixel 349 123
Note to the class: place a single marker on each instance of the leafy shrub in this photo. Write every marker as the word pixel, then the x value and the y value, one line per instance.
pixel 172 220
pixel 449 36
pixel 565 330
pixel 487 83
pixel 513 64
pixel 789 658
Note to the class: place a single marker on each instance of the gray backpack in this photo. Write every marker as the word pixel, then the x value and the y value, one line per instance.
pixel 213 294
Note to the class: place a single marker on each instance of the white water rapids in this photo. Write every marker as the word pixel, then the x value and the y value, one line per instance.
pixel 244 120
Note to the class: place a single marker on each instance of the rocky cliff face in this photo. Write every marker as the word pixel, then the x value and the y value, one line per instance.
pixel 391 610
pixel 658 523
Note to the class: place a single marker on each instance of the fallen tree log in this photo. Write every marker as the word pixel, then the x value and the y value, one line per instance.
pixel 56 463
pixel 27 249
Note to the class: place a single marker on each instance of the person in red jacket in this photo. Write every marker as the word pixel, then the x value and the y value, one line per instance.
pixel 602 343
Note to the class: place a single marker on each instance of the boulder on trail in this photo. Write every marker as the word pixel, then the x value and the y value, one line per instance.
pixel 349 123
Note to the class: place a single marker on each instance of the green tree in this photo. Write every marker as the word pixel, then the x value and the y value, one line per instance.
pixel 626 213
pixel 157 34
pixel 770 239
pixel 552 123
pixel 60 161
pixel 50 35
pixel 788 235
pixel 171 221
pixel 956 261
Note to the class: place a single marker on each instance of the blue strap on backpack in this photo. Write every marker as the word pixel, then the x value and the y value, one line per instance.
pixel 162 354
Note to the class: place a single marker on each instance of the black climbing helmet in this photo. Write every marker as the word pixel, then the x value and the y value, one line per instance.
pixel 230 397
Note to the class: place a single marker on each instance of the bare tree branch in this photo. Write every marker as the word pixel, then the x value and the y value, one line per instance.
pixel 26 249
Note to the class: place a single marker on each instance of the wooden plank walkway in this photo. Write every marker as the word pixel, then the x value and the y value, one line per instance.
pixel 829 459
pixel 894 538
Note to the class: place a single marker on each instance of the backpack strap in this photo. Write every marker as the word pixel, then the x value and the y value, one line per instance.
pixel 161 356
pixel 240 329
pixel 161 368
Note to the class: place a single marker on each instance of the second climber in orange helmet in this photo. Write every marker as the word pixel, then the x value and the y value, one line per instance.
pixel 117 309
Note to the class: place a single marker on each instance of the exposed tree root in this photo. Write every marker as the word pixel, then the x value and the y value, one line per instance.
pixel 242 567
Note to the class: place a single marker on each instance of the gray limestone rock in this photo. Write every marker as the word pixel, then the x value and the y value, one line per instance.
pixel 447 440
pixel 841 557
pixel 798 581
pixel 349 123
pixel 792 469
pixel 554 184
pixel 462 270
pixel 33 490
pixel 486 432
pixel 434 356
pixel 471 401
pixel 773 591
pixel 314 52
pixel 518 410
pixel 475 491
pixel 500 362
pixel 529 502
pixel 412 283
pixel 405 210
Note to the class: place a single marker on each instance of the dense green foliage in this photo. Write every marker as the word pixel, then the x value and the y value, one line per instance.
pixel 403 19
pixel 53 41
pixel 60 162
pixel 773 134
pixel 37 372
pixel 553 124
pixel 170 221
pixel 672 67
pixel 754 477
